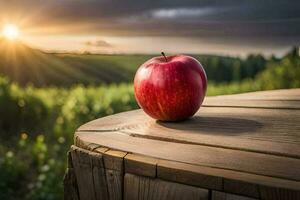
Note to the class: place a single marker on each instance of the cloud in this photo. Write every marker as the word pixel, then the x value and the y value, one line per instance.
pixel 98 43
pixel 175 13
pixel 273 21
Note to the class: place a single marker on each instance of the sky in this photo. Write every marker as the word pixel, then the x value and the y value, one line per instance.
pixel 227 27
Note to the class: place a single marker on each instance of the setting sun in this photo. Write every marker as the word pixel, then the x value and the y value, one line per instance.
pixel 10 31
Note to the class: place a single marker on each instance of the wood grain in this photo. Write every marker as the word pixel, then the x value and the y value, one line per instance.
pixel 257 130
pixel 271 193
pixel 245 103
pixel 138 187
pixel 114 160
pixel 216 195
pixel 256 163
pixel 83 172
pixel 99 176
pixel 241 187
pixel 114 122
pixel 140 165
pixel 246 144
pixel 101 150
pixel 203 177
pixel 284 94
pixel 230 181
pixel 70 183
pixel 114 170
pixel 114 181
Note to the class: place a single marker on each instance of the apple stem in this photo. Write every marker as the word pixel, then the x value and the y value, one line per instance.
pixel 162 53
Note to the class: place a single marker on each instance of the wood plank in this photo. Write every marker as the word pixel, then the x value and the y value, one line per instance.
pixel 83 144
pixel 279 99
pixel 234 182
pixel 211 178
pixel 241 187
pixel 203 177
pixel 83 172
pixel 114 169
pixel 244 103
pixel 101 150
pixel 138 187
pixel 92 146
pixel 70 183
pixel 246 129
pixel 114 122
pixel 114 181
pixel 278 193
pixel 249 162
pixel 140 165
pixel 114 160
pixel 284 94
pixel 216 195
pixel 99 176
pixel 257 130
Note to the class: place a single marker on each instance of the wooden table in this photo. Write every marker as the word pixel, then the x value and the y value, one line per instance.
pixel 244 146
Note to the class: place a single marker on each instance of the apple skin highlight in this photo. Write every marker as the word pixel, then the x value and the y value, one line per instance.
pixel 170 88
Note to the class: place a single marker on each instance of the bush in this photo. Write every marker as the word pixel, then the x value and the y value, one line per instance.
pixel 42 122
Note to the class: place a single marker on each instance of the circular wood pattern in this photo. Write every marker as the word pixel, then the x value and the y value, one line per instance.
pixel 253 137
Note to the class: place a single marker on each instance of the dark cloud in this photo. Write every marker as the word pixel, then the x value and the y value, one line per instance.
pixel 237 20
pixel 98 43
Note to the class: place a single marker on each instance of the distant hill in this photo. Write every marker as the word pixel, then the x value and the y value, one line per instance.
pixel 25 65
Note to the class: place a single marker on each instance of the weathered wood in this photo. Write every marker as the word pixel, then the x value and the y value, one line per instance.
pixel 138 187
pixel 115 122
pixel 114 169
pixel 140 165
pixel 204 177
pixel 278 99
pixel 101 150
pixel 70 183
pixel 114 181
pixel 216 195
pixel 92 146
pixel 271 193
pixel 233 128
pixel 241 187
pixel 244 103
pixel 275 95
pixel 247 145
pixel 249 162
pixel 220 179
pixel 83 172
pixel 99 176
pixel 114 159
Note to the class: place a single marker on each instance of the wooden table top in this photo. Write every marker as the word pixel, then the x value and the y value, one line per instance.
pixel 251 137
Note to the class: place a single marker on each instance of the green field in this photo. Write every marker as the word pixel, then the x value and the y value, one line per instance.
pixel 25 65
pixel 44 97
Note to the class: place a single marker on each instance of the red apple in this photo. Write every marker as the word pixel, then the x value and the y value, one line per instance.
pixel 170 88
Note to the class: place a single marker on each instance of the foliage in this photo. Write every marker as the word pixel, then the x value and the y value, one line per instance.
pixel 282 74
pixel 42 122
